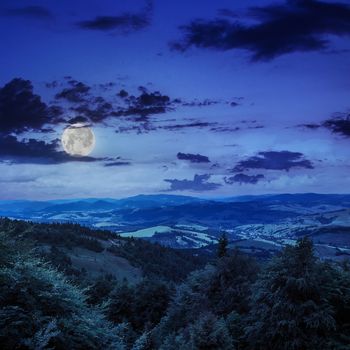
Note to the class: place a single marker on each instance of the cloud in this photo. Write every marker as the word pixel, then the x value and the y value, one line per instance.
pixel 196 124
pixel 117 163
pixel 125 22
pixel 85 102
pixel 77 92
pixel 339 125
pixel 193 158
pixel 33 12
pixel 274 160
pixel 140 128
pixel 122 93
pixel 207 102
pixel 201 103
pixel 96 113
pixel 244 179
pixel 77 120
pixel 310 126
pixel 199 183
pixel 21 109
pixel 35 152
pixel 147 103
pixel 225 129
pixel 96 108
pixel 296 26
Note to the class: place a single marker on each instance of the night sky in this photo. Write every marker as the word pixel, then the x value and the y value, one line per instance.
pixel 196 97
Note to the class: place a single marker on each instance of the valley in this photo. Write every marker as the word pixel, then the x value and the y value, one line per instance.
pixel 259 225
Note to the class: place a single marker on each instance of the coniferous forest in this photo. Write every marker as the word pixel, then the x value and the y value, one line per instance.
pixel 293 301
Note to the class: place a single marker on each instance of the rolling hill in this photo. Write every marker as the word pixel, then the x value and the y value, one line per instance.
pixel 184 222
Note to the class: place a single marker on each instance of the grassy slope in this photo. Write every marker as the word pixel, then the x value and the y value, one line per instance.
pixel 74 249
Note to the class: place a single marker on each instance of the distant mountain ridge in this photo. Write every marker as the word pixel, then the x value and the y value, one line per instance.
pixel 189 222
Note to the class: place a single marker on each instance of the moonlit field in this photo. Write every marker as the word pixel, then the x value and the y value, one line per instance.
pixel 174 175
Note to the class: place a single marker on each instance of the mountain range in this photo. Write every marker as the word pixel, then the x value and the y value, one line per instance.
pixel 257 224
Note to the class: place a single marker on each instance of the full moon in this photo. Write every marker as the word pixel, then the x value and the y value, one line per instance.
pixel 78 140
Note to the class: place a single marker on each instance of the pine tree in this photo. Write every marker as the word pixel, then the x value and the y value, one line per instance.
pixel 290 310
pixel 209 332
pixel 39 308
pixel 222 246
pixel 144 342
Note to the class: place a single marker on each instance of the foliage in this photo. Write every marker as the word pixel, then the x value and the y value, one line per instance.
pixel 222 246
pixel 56 234
pixel 154 260
pixel 40 308
pixel 142 306
pixel 157 261
pixel 293 303
pixel 296 302
pixel 206 298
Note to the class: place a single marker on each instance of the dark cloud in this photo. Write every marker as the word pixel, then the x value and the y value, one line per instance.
pixel 52 84
pixel 78 119
pixel 105 23
pixel 244 179
pixel 36 152
pixel 35 12
pixel 107 86
pixel 21 109
pixel 146 104
pixel 296 26
pixel 193 158
pixel 199 183
pixel 225 129
pixel 117 163
pixel 339 125
pixel 95 112
pixel 256 127
pixel 196 124
pixel 274 160
pixel 122 93
pixel 312 126
pixel 140 128
pixel 139 107
pixel 145 125
pixel 153 99
pixel 204 103
pixel 77 92
pixel 200 103
pixel 126 22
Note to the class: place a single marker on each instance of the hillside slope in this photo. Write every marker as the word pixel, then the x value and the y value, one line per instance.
pixel 79 250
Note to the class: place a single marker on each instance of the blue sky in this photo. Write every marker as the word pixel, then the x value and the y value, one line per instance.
pixel 194 97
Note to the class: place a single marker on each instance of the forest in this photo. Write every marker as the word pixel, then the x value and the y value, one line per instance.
pixel 293 301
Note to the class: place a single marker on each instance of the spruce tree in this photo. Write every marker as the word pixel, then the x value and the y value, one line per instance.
pixel 40 309
pixel 222 246
pixel 290 310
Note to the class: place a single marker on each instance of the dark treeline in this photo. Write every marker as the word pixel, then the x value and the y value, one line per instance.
pixel 293 302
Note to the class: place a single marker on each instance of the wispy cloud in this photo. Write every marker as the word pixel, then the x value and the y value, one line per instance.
pixel 125 22
pixel 244 179
pixel 33 12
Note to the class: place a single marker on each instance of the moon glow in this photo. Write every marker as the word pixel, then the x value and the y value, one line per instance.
pixel 78 140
